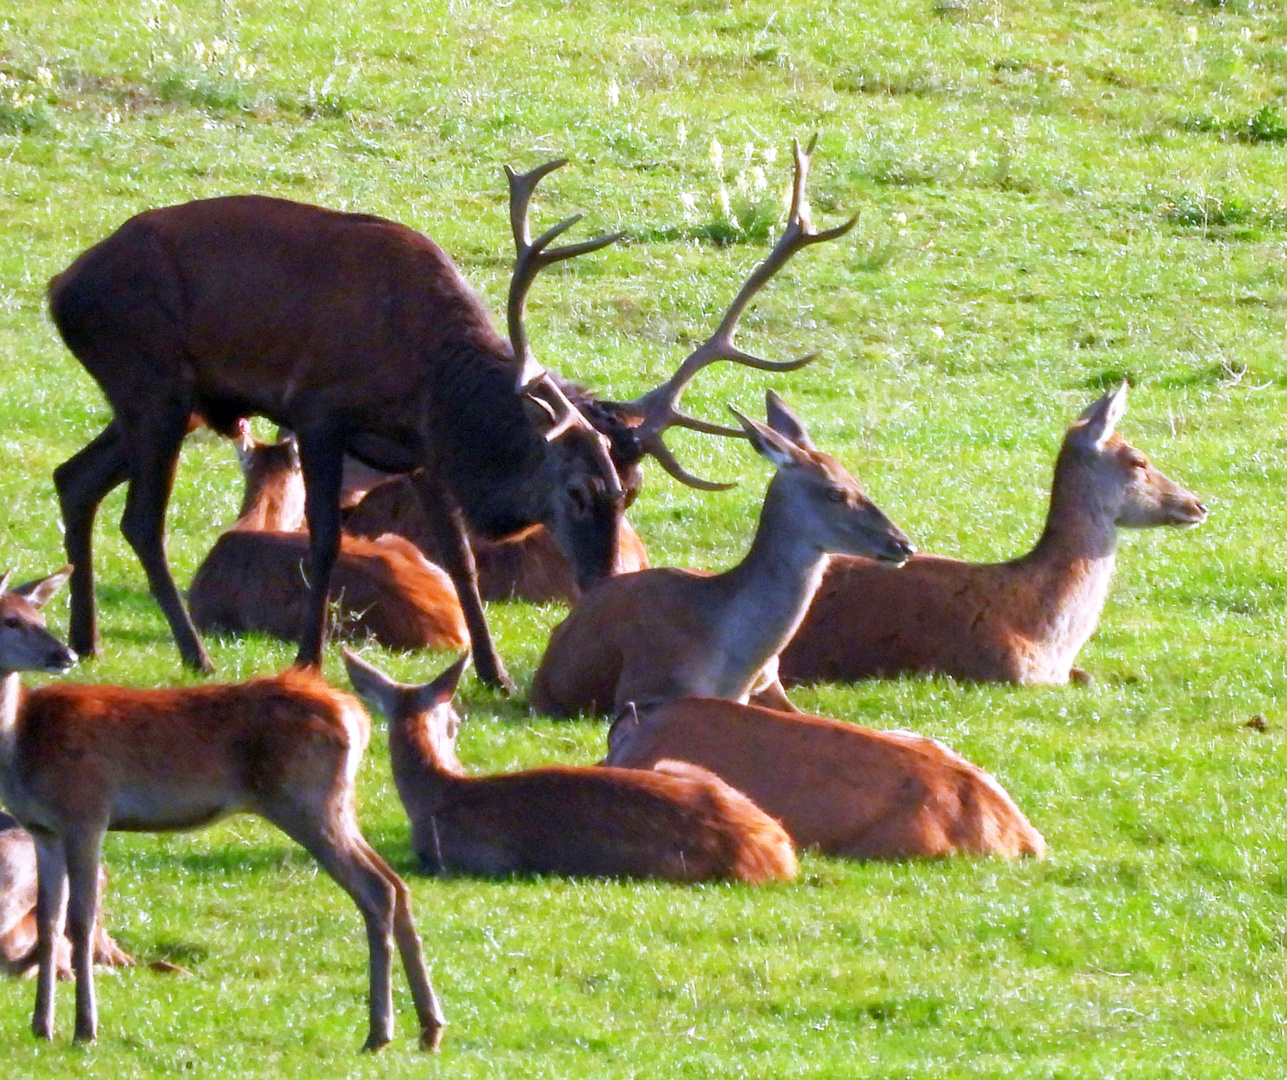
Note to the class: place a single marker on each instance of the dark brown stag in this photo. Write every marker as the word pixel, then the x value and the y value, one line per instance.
pixel 362 337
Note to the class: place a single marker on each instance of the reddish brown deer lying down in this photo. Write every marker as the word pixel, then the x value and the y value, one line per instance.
pixel 840 788
pixel 680 822
pixel 1020 622
pixel 668 633
pixel 527 566
pixel 253 579
pixel 18 910
pixel 76 761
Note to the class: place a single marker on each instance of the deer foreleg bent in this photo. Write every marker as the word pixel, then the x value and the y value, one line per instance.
pixel 82 482
pixel 448 526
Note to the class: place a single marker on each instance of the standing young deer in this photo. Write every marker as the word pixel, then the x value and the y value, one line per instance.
pixel 361 336
pixel 667 633
pixel 76 761
pixel 528 566
pixel 680 822
pixel 253 578
pixel 18 910
pixel 1020 622
pixel 843 789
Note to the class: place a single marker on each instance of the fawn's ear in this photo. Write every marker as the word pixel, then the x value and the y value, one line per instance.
pixel 779 449
pixel 625 724
pixel 443 688
pixel 38 592
pixel 373 685
pixel 1100 420
pixel 783 420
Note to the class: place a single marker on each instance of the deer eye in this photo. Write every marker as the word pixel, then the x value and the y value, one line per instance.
pixel 12 621
pixel 837 495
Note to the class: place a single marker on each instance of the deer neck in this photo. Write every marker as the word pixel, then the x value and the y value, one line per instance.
pixel 425 772
pixel 12 693
pixel 768 592
pixel 1072 564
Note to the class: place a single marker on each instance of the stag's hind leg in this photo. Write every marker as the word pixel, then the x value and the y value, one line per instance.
pixel 154 440
pixel 83 481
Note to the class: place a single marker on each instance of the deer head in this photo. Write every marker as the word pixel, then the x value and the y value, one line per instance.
pixel 25 644
pixel 825 504
pixel 1124 484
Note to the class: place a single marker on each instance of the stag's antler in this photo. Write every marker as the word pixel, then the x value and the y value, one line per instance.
pixel 658 409
pixel 533 257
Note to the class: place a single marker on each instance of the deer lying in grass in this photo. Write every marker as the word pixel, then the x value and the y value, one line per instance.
pixel 840 788
pixel 1019 622
pixel 253 578
pixel 18 910
pixel 667 633
pixel 528 566
pixel 680 822
pixel 76 761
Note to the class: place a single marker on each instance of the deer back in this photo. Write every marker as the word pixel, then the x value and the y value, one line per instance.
pixel 840 788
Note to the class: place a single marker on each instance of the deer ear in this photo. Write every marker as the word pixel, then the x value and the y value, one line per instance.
pixel 443 688
pixel 768 443
pixel 38 592
pixel 4 581
pixel 625 725
pixel 783 420
pixel 1100 420
pixel 372 685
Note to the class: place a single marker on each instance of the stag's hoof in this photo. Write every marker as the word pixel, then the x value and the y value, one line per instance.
pixel 375 1042
pixel 43 1030
pixel 1081 678
pixel 431 1037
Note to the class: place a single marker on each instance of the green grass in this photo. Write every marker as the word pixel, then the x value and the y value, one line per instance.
pixel 1054 196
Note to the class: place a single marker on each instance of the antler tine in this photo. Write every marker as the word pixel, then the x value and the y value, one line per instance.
pixel 532 255
pixel 658 408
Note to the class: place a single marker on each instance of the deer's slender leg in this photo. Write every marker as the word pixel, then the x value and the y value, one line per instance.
pixel 154 441
pixel 82 482
pixel 83 845
pixel 51 905
pixel 321 457
pixel 448 525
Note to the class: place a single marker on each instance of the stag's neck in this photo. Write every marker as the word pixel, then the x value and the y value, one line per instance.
pixel 426 774
pixel 1071 565
pixel 768 592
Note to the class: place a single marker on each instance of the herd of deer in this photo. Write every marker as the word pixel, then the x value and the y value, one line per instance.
pixel 417 438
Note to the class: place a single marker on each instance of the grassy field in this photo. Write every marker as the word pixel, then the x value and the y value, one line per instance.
pixel 1055 195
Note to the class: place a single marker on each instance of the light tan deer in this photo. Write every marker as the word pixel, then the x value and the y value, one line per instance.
pixel 253 578
pixel 76 761
pixel 666 633
pixel 1019 622
pixel 528 566
pixel 839 788
pixel 680 822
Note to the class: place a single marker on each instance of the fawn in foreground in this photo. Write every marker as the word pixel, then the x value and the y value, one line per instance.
pixel 840 788
pixel 1020 622
pixel 76 761
pixel 667 633
pixel 679 822
pixel 253 579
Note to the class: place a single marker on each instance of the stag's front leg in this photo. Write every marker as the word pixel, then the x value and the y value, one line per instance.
pixel 82 482
pixel 321 458
pixel 448 525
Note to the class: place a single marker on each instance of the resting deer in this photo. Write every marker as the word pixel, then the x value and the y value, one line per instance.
pixel 253 578
pixel 679 822
pixel 361 336
pixel 667 633
pixel 839 788
pixel 76 761
pixel 1019 622
pixel 528 566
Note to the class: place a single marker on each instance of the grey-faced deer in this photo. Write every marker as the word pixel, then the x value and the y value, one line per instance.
pixel 76 761
pixel 253 578
pixel 18 910
pixel 529 566
pixel 1020 622
pixel 839 788
pixel 680 822
pixel 666 633
pixel 361 336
